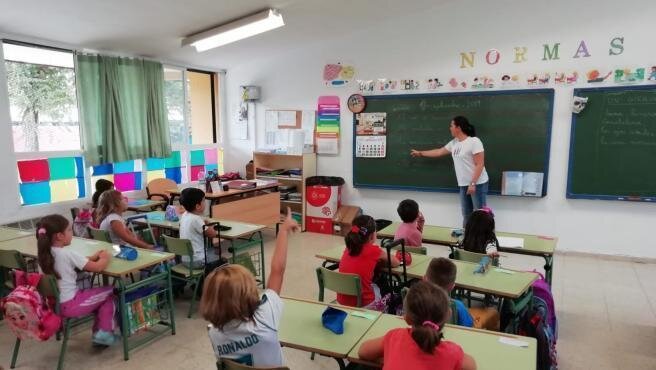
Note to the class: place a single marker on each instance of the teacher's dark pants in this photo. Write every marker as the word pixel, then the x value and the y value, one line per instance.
pixel 468 203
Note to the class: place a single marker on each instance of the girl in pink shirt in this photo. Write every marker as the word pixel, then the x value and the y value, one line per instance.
pixel 419 347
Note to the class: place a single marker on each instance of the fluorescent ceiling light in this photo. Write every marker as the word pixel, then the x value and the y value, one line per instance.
pixel 234 31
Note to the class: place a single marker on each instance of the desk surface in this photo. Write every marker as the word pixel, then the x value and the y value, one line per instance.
pixel 301 328
pixel 139 205
pixel 9 233
pixel 482 345
pixel 501 282
pixel 86 247
pixel 238 229
pixel 229 192
pixel 533 244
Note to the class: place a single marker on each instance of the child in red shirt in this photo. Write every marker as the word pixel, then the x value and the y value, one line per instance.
pixel 419 347
pixel 360 257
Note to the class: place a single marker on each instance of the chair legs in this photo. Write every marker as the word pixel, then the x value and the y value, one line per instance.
pixel 14 357
pixel 62 352
pixel 193 297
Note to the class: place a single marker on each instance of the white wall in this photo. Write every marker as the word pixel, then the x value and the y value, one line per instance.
pixel 428 44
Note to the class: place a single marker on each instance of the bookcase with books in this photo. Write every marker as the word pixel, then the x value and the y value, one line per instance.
pixel 290 171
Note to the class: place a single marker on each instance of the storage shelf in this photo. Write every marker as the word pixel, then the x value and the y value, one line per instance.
pixel 284 178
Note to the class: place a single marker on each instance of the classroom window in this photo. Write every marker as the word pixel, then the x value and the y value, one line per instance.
pixel 173 168
pixel 201 110
pixel 50 180
pixel 174 96
pixel 42 100
pixel 126 176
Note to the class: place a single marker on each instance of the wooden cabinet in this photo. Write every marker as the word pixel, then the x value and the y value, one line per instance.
pixel 279 166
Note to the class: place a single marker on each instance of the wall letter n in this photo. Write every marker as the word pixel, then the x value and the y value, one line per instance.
pixel 467 59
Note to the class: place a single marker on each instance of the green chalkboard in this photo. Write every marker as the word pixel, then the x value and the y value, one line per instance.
pixel 613 145
pixel 514 126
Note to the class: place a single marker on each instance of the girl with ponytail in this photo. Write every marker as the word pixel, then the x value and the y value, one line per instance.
pixel 420 347
pixel 361 257
pixel 469 163
pixel 54 234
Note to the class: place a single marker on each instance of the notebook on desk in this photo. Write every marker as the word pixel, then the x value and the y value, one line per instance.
pixel 241 184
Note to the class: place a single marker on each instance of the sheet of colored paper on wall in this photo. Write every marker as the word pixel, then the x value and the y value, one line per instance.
pixel 127 181
pixel 175 160
pixel 153 175
pixel 174 174
pixel 327 145
pixel 62 168
pixel 125 167
pixel 195 170
pixel 154 164
pixel 62 190
pixel 197 157
pixel 36 170
pixel 35 193
pixel 211 156
pixel 103 169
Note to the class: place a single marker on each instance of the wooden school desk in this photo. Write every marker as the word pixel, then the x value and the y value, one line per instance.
pixel 301 328
pixel 144 205
pixel 120 269
pixel 259 205
pixel 534 245
pixel 247 234
pixel 484 346
pixel 500 282
pixel 9 233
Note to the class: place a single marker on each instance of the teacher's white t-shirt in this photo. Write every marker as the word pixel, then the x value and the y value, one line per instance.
pixel 463 159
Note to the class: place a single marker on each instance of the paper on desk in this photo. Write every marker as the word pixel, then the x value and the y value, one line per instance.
pixel 509 272
pixel 513 342
pixel 364 314
pixel 510 242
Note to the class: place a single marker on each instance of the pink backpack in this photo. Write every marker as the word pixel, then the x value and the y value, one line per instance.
pixel 26 312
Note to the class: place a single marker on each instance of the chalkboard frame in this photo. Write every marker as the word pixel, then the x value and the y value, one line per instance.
pixel 455 188
pixel 569 193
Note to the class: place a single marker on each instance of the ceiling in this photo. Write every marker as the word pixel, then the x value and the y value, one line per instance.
pixel 155 28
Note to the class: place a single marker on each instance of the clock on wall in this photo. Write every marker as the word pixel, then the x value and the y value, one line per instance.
pixel 356 103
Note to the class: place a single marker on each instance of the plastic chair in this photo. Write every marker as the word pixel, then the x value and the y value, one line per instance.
pixel 184 272
pixel 48 289
pixel 99 235
pixel 9 260
pixel 158 189
pixel 225 364
pixel 339 282
pixel 454 313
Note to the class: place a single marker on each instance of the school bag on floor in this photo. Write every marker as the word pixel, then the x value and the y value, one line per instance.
pixel 543 299
pixel 27 314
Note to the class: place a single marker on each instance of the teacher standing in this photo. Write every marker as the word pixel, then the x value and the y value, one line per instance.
pixel 469 162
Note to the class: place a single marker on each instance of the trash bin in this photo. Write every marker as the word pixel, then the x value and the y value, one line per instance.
pixel 323 196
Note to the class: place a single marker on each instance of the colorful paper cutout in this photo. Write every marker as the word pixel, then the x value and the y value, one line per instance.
pixel 154 164
pixel 197 157
pixel 62 168
pixel 211 156
pixel 195 170
pixel 103 169
pixel 62 190
pixel 127 181
pixel 174 174
pixel 36 170
pixel 35 193
pixel 174 161
pixel 594 76
pixel 627 76
pixel 125 167
pixel 153 175
pixel 337 74
pixel 212 167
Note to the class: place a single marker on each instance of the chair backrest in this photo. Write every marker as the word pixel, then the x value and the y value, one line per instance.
pixel 416 250
pixel 100 235
pixel 179 247
pixel 74 212
pixel 339 282
pixel 48 287
pixel 463 255
pixel 12 260
pixel 160 186
pixel 225 364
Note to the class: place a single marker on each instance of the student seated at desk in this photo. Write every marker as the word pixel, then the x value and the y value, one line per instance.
pixel 54 233
pixel 191 226
pixel 419 347
pixel 413 223
pixel 361 257
pixel 442 272
pixel 110 207
pixel 479 233
pixel 102 186
pixel 244 326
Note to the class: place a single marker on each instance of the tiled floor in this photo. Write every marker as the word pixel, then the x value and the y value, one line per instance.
pixel 606 311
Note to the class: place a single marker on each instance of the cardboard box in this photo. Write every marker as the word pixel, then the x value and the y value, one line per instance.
pixel 323 201
pixel 343 219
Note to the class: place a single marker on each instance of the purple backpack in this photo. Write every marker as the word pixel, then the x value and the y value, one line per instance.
pixel 542 297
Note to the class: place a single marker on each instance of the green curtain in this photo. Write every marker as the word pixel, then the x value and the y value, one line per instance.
pixel 122 110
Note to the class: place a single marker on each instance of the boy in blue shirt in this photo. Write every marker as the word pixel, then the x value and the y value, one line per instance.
pixel 442 272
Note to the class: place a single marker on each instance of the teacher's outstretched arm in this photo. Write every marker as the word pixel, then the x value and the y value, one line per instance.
pixel 433 153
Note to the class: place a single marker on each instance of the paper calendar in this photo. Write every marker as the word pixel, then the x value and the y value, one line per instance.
pixel 370 146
